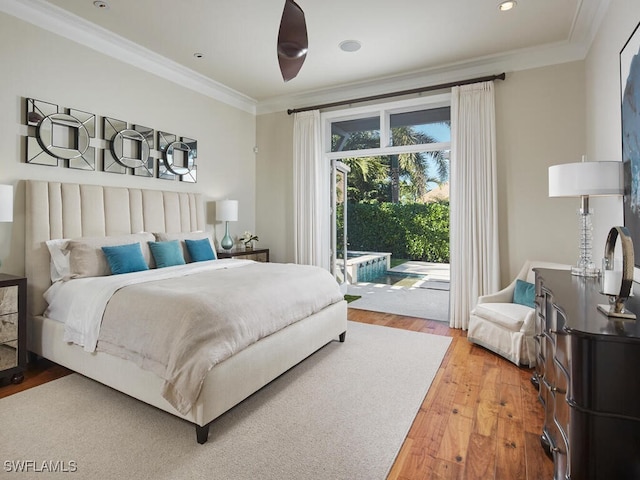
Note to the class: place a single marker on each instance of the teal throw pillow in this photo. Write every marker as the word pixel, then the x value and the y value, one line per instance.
pixel 167 254
pixel 200 250
pixel 125 258
pixel 525 293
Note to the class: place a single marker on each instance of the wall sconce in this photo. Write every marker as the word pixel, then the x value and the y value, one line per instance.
pixel 585 179
pixel 227 211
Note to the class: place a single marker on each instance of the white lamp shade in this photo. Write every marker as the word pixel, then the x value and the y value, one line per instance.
pixel 227 210
pixel 586 178
pixel 6 203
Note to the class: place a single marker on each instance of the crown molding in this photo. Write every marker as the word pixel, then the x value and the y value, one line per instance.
pixel 584 28
pixel 525 59
pixel 56 20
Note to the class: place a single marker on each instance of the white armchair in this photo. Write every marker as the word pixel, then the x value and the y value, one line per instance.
pixel 504 327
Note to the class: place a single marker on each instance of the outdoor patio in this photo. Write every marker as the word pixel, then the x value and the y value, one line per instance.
pixel 421 290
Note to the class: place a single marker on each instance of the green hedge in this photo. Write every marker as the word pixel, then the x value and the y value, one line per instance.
pixel 416 231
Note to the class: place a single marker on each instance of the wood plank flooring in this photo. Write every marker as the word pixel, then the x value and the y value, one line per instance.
pixel 480 419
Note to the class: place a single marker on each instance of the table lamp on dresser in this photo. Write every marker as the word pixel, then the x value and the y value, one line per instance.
pixel 585 179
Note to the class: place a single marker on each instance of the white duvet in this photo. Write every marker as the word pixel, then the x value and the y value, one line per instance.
pixel 80 303
pixel 179 322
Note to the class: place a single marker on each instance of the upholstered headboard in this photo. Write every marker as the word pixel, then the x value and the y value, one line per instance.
pixel 69 210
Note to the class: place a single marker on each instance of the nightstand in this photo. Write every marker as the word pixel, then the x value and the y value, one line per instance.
pixel 13 327
pixel 257 254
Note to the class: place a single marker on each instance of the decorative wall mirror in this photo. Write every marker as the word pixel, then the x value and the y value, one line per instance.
pixel 55 134
pixel 60 136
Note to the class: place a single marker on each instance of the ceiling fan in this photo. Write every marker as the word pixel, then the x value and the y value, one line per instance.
pixel 292 40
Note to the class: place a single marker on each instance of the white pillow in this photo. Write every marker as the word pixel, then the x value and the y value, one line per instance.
pixel 86 258
pixel 60 269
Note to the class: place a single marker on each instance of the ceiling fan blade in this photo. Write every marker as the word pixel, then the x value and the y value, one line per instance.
pixel 292 40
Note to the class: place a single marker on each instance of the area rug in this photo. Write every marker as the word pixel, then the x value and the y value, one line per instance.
pixel 341 414
pixel 431 304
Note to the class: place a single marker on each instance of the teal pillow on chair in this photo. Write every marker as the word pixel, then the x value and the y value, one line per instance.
pixel 167 254
pixel 525 293
pixel 200 250
pixel 125 258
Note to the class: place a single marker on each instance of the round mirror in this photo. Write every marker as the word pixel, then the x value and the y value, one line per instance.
pixel 176 149
pixel 63 136
pixel 130 148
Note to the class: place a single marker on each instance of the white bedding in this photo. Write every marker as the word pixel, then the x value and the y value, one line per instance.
pixel 80 303
pixel 179 322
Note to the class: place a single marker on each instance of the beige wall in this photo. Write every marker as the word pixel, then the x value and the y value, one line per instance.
pixel 274 185
pixel 540 122
pixel 38 64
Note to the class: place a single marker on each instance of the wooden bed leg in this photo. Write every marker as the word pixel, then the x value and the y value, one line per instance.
pixel 342 337
pixel 202 433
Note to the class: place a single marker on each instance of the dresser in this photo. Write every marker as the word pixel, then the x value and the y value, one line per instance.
pixel 588 378
pixel 13 339
pixel 257 254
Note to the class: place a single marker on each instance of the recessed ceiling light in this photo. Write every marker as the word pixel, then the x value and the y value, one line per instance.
pixel 504 6
pixel 100 4
pixel 350 46
pixel 198 55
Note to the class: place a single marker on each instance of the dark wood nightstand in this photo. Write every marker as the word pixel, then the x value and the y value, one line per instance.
pixel 257 254
pixel 13 327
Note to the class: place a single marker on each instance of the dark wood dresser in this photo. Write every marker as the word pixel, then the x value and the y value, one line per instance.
pixel 587 380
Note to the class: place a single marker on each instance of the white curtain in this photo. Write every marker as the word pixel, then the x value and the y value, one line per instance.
pixel 310 180
pixel 475 263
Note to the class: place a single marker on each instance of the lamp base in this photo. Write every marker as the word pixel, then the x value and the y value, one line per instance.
pixel 227 241
pixel 608 310
pixel 590 271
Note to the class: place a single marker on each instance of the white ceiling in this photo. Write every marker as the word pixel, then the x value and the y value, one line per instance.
pixel 404 42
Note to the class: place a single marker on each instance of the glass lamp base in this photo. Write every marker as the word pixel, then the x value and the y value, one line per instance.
pixel 590 271
pixel 227 241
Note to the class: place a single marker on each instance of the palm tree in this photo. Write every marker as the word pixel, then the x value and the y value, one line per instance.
pixel 368 179
pixel 372 178
pixel 413 166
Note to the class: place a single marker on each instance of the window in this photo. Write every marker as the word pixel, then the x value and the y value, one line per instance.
pixel 357 134
pixel 421 126
pixel 416 125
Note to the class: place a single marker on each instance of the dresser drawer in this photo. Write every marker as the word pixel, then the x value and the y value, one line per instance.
pixel 8 355
pixel 8 300
pixel 561 410
pixel 8 327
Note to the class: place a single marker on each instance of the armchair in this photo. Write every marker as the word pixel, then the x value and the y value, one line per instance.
pixel 508 328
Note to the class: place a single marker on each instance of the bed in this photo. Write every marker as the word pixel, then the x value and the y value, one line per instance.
pixel 61 210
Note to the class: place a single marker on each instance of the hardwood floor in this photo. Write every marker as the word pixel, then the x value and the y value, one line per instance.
pixel 481 418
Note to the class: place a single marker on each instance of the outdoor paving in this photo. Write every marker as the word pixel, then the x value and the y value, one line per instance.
pixel 423 298
pixel 435 275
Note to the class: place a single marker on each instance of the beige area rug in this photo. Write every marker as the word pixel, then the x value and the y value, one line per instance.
pixel 432 304
pixel 341 414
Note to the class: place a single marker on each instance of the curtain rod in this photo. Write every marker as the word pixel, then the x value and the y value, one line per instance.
pixel 397 94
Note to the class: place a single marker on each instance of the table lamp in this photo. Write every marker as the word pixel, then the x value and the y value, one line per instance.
pixel 227 211
pixel 6 204
pixel 585 179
